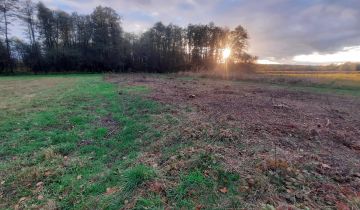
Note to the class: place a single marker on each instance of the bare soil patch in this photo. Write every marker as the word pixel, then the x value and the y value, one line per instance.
pixel 309 142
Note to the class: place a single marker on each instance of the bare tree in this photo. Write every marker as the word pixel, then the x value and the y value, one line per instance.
pixel 27 15
pixel 8 8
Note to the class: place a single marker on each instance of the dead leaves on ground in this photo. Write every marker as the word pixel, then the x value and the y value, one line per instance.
pixel 156 187
pixel 223 190
pixel 111 190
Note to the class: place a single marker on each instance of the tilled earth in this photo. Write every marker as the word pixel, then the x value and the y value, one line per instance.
pixel 293 148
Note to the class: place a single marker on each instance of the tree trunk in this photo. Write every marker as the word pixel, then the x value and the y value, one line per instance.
pixel 6 36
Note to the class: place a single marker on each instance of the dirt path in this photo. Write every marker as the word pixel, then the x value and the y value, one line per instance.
pixel 310 139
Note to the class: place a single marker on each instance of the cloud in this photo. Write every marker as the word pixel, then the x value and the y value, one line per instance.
pixel 347 54
pixel 265 61
pixel 278 28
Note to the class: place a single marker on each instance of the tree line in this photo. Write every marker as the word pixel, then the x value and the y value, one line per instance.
pixel 56 41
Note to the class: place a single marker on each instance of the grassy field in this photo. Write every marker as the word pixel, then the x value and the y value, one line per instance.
pixel 145 142
pixel 70 142
pixel 318 81
pixel 332 79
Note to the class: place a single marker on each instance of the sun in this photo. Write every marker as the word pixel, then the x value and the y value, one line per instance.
pixel 226 53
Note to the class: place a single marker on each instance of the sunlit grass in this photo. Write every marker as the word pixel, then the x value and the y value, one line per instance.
pixel 335 79
pixel 352 77
pixel 136 176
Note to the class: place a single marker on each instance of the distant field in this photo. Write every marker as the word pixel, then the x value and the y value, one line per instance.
pixel 150 141
pixel 318 81
pixel 326 77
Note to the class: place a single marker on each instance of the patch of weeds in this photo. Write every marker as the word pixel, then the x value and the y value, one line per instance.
pixel 189 109
pixel 151 202
pixel 78 120
pixel 193 180
pixel 65 148
pixel 48 154
pixel 190 187
pixel 173 147
pixel 46 119
pixel 58 137
pixel 206 161
pixel 278 180
pixel 100 133
pixel 143 107
pixel 172 120
pixel 281 174
pixel 136 176
pixel 225 135
pixel 207 185
pixel 228 180
pixel 268 207
pixel 195 132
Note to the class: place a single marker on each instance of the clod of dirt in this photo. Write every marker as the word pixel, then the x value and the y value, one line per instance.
pixel 250 181
pixel 286 207
pixel 325 166
pixel 22 199
pixel 356 175
pixel 156 187
pixel 342 206
pixel 39 184
pixel 223 190
pixel 227 135
pixel 230 117
pixel 314 133
pixel 281 106
pixel 51 205
pixel 47 173
pixel 84 143
pixel 199 207
pixel 110 190
pixel 192 96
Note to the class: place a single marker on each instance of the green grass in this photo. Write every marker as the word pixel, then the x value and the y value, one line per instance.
pixel 55 140
pixel 136 176
pixel 196 189
pixel 152 202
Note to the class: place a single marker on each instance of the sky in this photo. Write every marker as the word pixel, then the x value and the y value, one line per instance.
pixel 281 31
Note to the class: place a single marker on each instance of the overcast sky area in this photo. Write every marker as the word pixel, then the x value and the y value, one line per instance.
pixel 283 31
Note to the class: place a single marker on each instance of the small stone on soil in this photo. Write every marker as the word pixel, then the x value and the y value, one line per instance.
pixel 192 96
